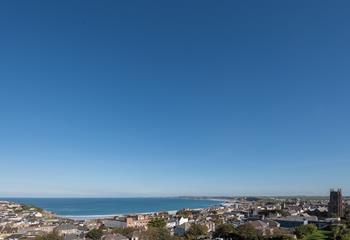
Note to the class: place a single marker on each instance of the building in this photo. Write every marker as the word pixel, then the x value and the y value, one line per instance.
pixel 262 227
pixel 292 221
pixel 139 221
pixel 182 220
pixel 335 205
pixel 182 229
pixel 67 229
pixel 114 223
pixel 116 236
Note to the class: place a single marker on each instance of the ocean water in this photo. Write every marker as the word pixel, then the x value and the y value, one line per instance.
pixel 95 207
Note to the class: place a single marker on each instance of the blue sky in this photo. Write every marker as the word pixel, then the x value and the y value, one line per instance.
pixel 162 98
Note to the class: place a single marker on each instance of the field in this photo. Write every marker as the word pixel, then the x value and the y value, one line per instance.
pixel 318 235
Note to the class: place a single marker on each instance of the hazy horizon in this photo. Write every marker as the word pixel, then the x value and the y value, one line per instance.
pixel 170 196
pixel 43 195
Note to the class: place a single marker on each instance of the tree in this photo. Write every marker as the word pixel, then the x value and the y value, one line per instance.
pixel 224 231
pixel 127 231
pixel 247 231
pixel 184 213
pixel 27 207
pixel 338 231
pixel 346 236
pixel 50 236
pixel 305 230
pixel 95 234
pixel 196 230
pixel 156 223
pixel 156 234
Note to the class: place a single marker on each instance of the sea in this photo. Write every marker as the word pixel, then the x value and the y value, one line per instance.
pixel 84 208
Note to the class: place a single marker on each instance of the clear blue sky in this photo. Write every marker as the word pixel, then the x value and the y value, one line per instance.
pixel 158 98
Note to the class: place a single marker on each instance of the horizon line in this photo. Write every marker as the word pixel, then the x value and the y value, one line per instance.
pixel 175 196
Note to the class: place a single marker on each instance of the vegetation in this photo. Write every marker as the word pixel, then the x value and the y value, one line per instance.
pixel 224 231
pixel 156 223
pixel 95 234
pixel 27 207
pixel 156 234
pixel 305 230
pixel 280 237
pixel 127 231
pixel 318 235
pixel 247 231
pixel 196 230
pixel 339 232
pixel 346 236
pixel 184 213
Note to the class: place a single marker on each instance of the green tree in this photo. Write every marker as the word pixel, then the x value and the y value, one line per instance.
pixel 305 230
pixel 247 231
pixel 127 231
pixel 224 231
pixel 338 231
pixel 27 207
pixel 95 234
pixel 156 223
pixel 184 213
pixel 154 233
pixel 346 236
pixel 196 230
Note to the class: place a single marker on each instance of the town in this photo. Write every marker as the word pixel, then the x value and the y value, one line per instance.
pixel 234 218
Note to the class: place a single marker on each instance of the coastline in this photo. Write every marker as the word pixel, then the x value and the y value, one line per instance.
pixel 214 202
pixel 108 216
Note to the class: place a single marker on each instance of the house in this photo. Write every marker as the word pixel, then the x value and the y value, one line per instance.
pixel 68 229
pixel 182 229
pixel 262 227
pixel 272 223
pixel 72 237
pixel 182 220
pixel 210 225
pixel 8 230
pixel 43 228
pixel 139 221
pixel 120 223
pixel 113 223
pixel 33 234
pixel 92 224
pixel 172 223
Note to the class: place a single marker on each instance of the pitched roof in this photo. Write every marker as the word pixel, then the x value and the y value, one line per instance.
pixel 116 236
pixel 258 224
